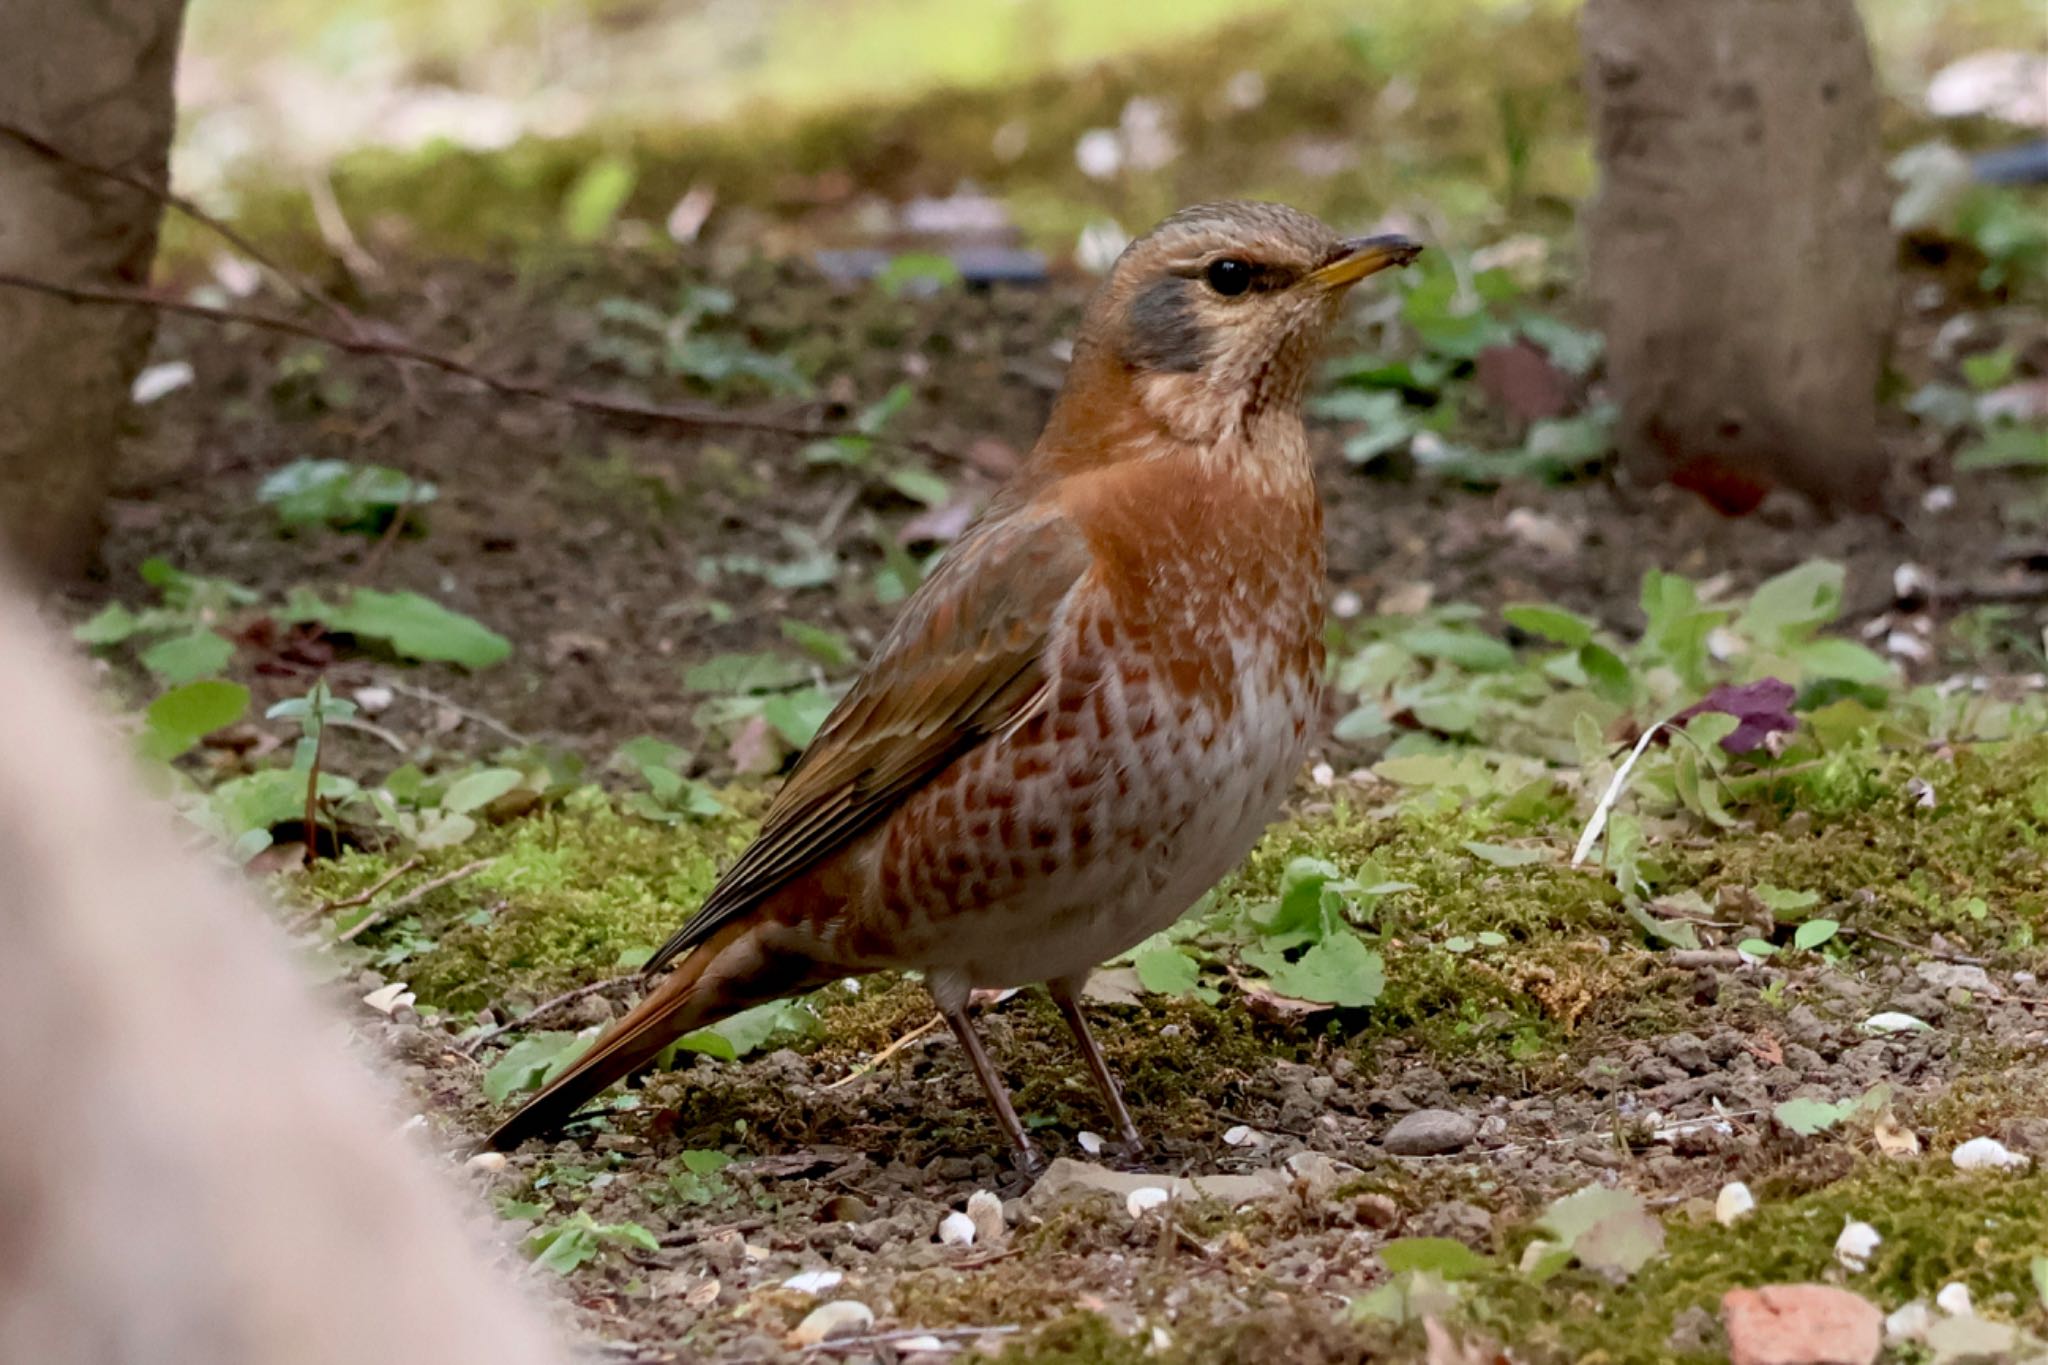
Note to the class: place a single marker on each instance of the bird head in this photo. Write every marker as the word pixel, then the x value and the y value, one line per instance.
pixel 1216 316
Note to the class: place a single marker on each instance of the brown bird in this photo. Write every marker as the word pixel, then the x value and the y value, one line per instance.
pixel 1094 704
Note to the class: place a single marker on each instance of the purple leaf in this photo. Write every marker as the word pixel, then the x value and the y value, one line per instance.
pixel 1761 708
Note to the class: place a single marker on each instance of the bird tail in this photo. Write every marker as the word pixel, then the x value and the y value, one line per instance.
pixel 726 974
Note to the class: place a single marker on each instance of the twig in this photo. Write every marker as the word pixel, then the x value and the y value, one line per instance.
pixel 377 917
pixel 227 232
pixel 326 908
pixel 873 1063
pixel 370 728
pixel 911 1334
pixel 312 852
pixel 427 694
pixel 470 1048
pixel 1912 947
pixel 385 343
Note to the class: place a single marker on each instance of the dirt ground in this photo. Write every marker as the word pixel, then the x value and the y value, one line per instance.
pixel 587 543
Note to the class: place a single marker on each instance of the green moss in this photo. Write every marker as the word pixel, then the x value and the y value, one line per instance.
pixel 1938 1226
pixel 565 895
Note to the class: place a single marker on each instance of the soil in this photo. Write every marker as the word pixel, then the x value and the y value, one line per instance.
pixel 587 545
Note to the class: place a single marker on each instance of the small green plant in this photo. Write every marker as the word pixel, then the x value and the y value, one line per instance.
pixel 580 1239
pixel 685 343
pixel 345 496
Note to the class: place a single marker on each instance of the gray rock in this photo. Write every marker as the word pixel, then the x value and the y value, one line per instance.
pixel 1431 1132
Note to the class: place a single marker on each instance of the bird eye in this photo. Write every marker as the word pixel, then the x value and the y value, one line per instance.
pixel 1229 276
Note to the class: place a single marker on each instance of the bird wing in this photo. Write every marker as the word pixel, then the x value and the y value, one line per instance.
pixel 966 660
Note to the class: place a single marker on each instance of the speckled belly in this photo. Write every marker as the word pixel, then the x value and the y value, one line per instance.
pixel 1142 780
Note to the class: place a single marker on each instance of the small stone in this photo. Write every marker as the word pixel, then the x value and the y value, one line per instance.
pixel 389 998
pixel 1733 1203
pixel 846 1208
pixel 1854 1246
pixel 1908 1324
pixel 840 1318
pixel 1988 1154
pixel 492 1162
pixel 1143 1198
pixel 985 1211
pixel 956 1229
pixel 1954 1300
pixel 814 1281
pixel 1242 1135
pixel 1091 1143
pixel 1376 1211
pixel 1430 1132
pixel 1801 1324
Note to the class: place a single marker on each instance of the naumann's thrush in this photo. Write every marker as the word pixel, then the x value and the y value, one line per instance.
pixel 1095 703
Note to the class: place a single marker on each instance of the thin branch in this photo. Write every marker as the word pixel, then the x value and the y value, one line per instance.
pixel 378 340
pixel 474 1045
pixel 428 695
pixel 874 1063
pixel 227 232
pixel 377 917
pixel 326 908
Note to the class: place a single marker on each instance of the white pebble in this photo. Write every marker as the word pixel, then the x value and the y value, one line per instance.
pixel 374 700
pixel 1243 1135
pixel 912 1345
pixel 1988 1154
pixel 956 1229
pixel 1894 1021
pixel 158 380
pixel 985 1211
pixel 1733 1203
pixel 813 1281
pixel 1908 1324
pixel 1091 1143
pixel 1143 1198
pixel 1854 1246
pixel 1162 1340
pixel 840 1318
pixel 1322 775
pixel 492 1162
pixel 1099 153
pixel 390 998
pixel 1954 1300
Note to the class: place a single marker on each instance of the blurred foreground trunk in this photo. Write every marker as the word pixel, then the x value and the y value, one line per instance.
pixel 193 1169
pixel 1738 247
pixel 94 78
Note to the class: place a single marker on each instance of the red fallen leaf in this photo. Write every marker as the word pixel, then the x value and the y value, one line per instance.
pixel 940 525
pixel 1801 1324
pixel 1762 709
pixel 1521 380
pixel 754 749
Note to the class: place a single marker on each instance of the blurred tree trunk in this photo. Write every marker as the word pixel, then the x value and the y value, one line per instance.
pixel 1738 247
pixel 94 78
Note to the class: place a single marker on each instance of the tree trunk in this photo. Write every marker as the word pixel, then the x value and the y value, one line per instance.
pixel 94 78
pixel 1738 246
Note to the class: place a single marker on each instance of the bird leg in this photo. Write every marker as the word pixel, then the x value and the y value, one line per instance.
pixel 1067 995
pixel 991 1084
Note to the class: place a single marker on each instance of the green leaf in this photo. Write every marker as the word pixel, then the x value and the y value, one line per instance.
pixel 1833 657
pixel 413 626
pixel 2008 447
pixel 1609 676
pixel 564 1248
pixel 919 485
pixel 919 272
pixel 110 625
pixel 337 493
pixel 1340 970
pixel 1467 649
pixel 1606 1229
pixel 631 1234
pixel 1677 933
pixel 530 1059
pixel 1757 947
pixel 1789 607
pixel 2038 1268
pixel 478 789
pixel 1549 623
pixel 182 658
pixel 700 1162
pixel 1807 1117
pixel 183 716
pixel 750 1029
pixel 1813 933
pixel 828 647
pixel 1443 1256
pixel 1165 970
pixel 1783 903
pixel 796 716
pixel 745 673
pixel 1506 855
pixel 594 201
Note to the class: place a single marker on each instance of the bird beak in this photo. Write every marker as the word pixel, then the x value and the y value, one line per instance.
pixel 1362 256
